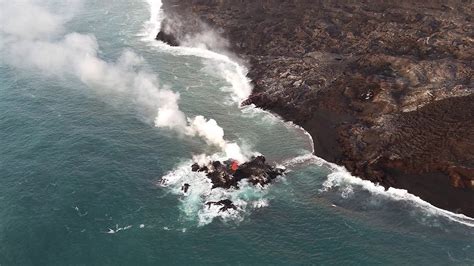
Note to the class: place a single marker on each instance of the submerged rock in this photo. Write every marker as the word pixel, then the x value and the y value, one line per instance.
pixel 226 204
pixel 185 187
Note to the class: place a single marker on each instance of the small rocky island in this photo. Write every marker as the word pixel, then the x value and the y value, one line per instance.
pixel 384 87
pixel 229 173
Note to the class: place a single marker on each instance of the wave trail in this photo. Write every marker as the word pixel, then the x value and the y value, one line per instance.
pixel 341 178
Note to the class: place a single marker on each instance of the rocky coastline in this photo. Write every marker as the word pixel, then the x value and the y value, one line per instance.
pixel 385 89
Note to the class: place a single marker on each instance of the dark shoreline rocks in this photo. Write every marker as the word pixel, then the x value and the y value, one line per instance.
pixel 385 89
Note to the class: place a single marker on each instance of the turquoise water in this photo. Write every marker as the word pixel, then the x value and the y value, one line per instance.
pixel 77 164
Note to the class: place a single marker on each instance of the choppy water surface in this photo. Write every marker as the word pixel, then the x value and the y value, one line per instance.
pixel 80 173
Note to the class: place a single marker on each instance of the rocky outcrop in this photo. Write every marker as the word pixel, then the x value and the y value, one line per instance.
pixel 384 87
pixel 225 205
pixel 229 173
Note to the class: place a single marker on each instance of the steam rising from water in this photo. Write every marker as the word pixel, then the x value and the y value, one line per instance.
pixel 193 203
pixel 208 45
pixel 35 42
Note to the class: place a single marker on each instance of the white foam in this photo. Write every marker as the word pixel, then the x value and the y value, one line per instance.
pixel 343 180
pixel 118 229
pixel 260 203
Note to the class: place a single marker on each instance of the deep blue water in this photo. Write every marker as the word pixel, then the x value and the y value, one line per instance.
pixel 75 163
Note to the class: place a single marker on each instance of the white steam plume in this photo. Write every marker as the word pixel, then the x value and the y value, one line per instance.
pixel 205 43
pixel 214 134
pixel 35 42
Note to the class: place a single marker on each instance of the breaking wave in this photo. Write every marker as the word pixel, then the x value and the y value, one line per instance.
pixel 341 179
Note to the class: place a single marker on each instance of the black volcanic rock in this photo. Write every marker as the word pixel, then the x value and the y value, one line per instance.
pixel 167 38
pixel 256 171
pixel 384 87
pixel 226 204
pixel 185 187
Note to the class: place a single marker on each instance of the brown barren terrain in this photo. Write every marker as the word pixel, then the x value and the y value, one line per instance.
pixel 384 87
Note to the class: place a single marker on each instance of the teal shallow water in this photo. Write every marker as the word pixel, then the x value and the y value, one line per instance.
pixel 75 164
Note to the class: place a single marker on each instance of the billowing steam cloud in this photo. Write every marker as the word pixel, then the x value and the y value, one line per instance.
pixel 31 38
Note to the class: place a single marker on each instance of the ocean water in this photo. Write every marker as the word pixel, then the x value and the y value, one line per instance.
pixel 80 169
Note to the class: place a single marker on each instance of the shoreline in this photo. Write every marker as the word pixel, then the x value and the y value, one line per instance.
pixel 333 121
